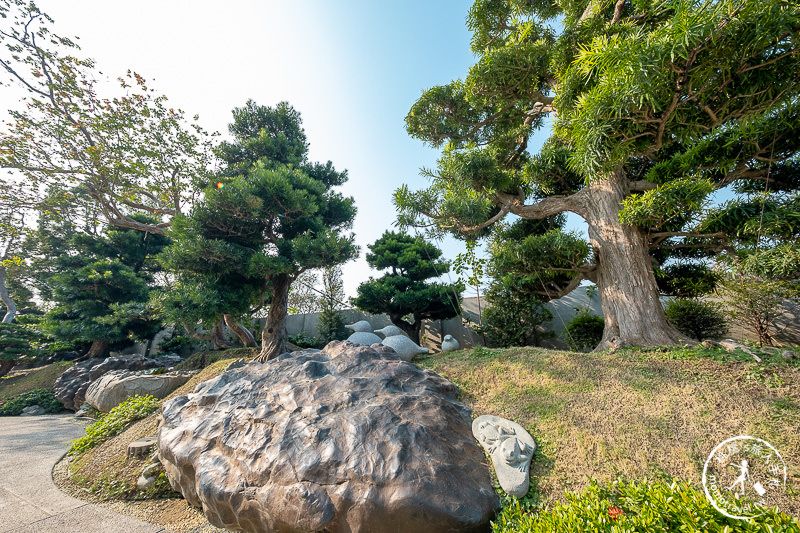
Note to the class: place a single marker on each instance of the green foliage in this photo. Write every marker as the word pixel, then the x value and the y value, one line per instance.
pixel 584 332
pixel 686 280
pixel 515 316
pixel 757 303
pixel 129 148
pixel 404 289
pixel 41 397
pixel 176 344
pixel 331 322
pixel 21 340
pixel 115 422
pixel 304 341
pixel 697 319
pixel 638 506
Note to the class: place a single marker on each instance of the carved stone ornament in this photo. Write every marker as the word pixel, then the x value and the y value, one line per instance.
pixel 511 449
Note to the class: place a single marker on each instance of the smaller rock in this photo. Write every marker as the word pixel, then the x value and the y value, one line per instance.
pixel 116 386
pixel 239 363
pixel 141 447
pixel 449 344
pixel 390 331
pixel 364 337
pixel 33 410
pixel 405 347
pixel 85 410
pixel 360 326
pixel 511 449
pixel 788 354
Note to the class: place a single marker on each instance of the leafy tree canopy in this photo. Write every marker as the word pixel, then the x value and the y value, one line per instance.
pixel 654 107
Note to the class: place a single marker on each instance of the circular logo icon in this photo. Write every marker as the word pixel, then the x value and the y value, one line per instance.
pixel 743 476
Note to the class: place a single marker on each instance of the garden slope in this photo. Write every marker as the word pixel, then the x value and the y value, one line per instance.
pixel 632 414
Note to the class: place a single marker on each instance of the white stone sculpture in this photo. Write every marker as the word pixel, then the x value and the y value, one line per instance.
pixel 450 344
pixel 405 347
pixel 511 449
pixel 364 337
pixel 360 326
pixel 390 331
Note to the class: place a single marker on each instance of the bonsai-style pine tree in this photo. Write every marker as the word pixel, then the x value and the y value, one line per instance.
pixel 404 292
pixel 654 107
pixel 270 216
pixel 101 288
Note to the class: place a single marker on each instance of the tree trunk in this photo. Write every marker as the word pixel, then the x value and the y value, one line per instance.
pixel 11 309
pixel 274 336
pixel 97 349
pixel 625 280
pixel 412 330
pixel 244 334
pixel 6 365
pixel 218 337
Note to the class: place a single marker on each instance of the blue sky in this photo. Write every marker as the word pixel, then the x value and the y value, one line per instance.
pixel 353 68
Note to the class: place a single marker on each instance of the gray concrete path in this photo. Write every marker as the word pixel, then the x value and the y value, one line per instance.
pixel 29 500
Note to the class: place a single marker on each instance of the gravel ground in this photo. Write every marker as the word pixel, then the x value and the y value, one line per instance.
pixel 175 515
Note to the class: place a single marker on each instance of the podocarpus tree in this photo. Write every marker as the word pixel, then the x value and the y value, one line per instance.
pixel 271 216
pixel 404 292
pixel 654 106
pixel 131 153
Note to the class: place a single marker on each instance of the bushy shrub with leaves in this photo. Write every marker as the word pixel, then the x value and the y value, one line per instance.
pixel 697 319
pixel 637 507
pixel 115 422
pixel 304 341
pixel 41 397
pixel 584 332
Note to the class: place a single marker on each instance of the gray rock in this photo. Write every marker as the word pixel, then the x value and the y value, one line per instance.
pixel 116 386
pixel 85 410
pixel 33 410
pixel 405 347
pixel 788 354
pixel 364 338
pixel 511 449
pixel 70 388
pixel 148 476
pixel 350 439
pixel 449 344
pixel 239 363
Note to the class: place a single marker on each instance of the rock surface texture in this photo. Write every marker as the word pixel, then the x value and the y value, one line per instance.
pixel 70 388
pixel 511 449
pixel 116 386
pixel 349 439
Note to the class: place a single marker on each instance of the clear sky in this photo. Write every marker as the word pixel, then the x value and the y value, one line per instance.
pixel 353 68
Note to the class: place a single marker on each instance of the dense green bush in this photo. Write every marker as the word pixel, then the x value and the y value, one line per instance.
pixel 304 341
pixel 636 507
pixel 584 332
pixel 115 422
pixel 699 320
pixel 42 397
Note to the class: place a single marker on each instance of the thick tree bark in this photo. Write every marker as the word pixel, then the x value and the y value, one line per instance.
pixel 6 365
pixel 412 330
pixel 274 336
pixel 625 280
pixel 11 309
pixel 97 349
pixel 244 334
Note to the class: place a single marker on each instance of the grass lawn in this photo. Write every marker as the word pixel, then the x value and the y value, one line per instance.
pixel 634 414
pixel 28 380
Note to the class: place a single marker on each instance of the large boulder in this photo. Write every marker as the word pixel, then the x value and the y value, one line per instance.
pixel 348 439
pixel 70 388
pixel 116 386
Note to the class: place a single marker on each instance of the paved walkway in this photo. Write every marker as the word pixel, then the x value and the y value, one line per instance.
pixel 29 500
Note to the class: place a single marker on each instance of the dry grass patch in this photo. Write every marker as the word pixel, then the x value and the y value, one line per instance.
pixel 633 415
pixel 28 380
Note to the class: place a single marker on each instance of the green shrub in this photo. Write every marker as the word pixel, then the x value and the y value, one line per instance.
pixel 637 507
pixel 304 341
pixel 42 397
pixel 115 422
pixel 176 344
pixel 584 332
pixel 699 320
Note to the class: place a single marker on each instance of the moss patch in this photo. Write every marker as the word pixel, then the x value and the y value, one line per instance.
pixel 199 360
pixel 24 381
